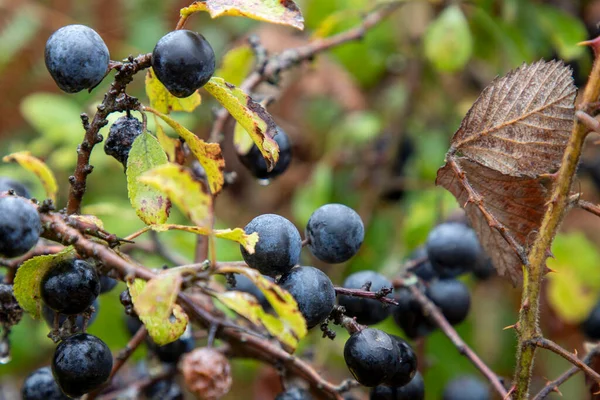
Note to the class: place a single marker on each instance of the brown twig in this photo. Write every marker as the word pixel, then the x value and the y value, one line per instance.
pixel 380 295
pixel 588 206
pixel 567 355
pixel 115 100
pixel 270 70
pixel 438 318
pixel 552 386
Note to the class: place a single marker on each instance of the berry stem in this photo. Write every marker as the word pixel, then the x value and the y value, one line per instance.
pixel 527 327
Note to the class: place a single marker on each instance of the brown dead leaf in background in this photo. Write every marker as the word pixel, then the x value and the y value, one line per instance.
pixel 515 133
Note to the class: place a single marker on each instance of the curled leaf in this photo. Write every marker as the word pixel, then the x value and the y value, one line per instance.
pixel 39 168
pixel 163 101
pixel 250 115
pixel 284 12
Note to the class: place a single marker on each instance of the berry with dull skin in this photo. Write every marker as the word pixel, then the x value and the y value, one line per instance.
pixel 70 287
pixel 20 226
pixel 453 249
pixel 409 316
pixel 278 248
pixel 452 297
pixel 313 291
pixel 183 62
pixel 7 184
pixel 40 385
pixel 76 58
pixel 366 311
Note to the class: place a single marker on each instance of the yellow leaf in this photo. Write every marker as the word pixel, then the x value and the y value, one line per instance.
pixel 289 327
pixel 163 101
pixel 241 140
pixel 236 65
pixel 154 303
pixel 168 143
pixel 188 194
pixel 250 115
pixel 208 154
pixel 39 168
pixel 237 235
pixel 284 12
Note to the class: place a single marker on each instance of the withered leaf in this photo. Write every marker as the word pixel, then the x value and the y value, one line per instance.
pixel 505 211
pixel 521 123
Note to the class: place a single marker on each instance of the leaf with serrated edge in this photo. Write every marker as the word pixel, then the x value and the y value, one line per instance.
pixel 515 204
pixel 293 324
pixel 284 12
pixel 163 101
pixel 208 154
pixel 188 194
pixel 149 203
pixel 154 303
pixel 521 123
pixel 27 285
pixel 39 168
pixel 250 115
pixel 237 235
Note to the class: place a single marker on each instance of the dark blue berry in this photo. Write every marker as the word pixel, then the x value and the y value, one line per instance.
pixel 81 363
pixel 366 311
pixel 452 298
pixel 335 233
pixel 76 57
pixel 20 226
pixel 409 315
pixel 165 389
pixel 372 356
pixel 70 287
pixel 453 249
pixel 107 284
pixel 121 136
pixel 278 248
pixel 407 367
pixel 132 323
pixel 423 269
pixel 48 315
pixel 466 388
pixel 245 284
pixel 294 394
pixel 40 385
pixel 313 291
pixel 255 162
pixel 484 269
pixel 183 61
pixel 414 390
pixel 172 352
pixel 591 325
pixel 7 184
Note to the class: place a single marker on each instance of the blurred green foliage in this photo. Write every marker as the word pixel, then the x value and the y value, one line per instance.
pixel 458 49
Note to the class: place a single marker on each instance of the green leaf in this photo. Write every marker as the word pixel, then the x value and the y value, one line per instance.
pixel 564 30
pixel 39 168
pixel 574 286
pixel 208 154
pixel 188 194
pixel 289 327
pixel 275 11
pixel 448 41
pixel 29 276
pixel 154 303
pixel 165 102
pixel 250 115
pixel 317 192
pixel 149 203
pixel 236 65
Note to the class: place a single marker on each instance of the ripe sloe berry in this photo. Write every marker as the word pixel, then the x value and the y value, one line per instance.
pixel 407 366
pixel 466 388
pixel 107 284
pixel 255 162
pixel 366 311
pixel 76 57
pixel 40 385
pixel 591 326
pixel 484 269
pixel 132 323
pixel 414 390
pixel 7 184
pixel 20 226
pixel 424 269
pixel 409 316
pixel 183 61
pixel 165 389
pixel 313 292
pixel 453 249
pixel 81 364
pixel 294 394
pixel 121 136
pixel 70 287
pixel 244 284
pixel 48 315
pixel 335 233
pixel 452 297
pixel 278 248
pixel 171 353
pixel 372 356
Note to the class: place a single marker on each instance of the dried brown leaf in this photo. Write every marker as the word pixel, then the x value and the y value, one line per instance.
pixel 521 122
pixel 505 211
